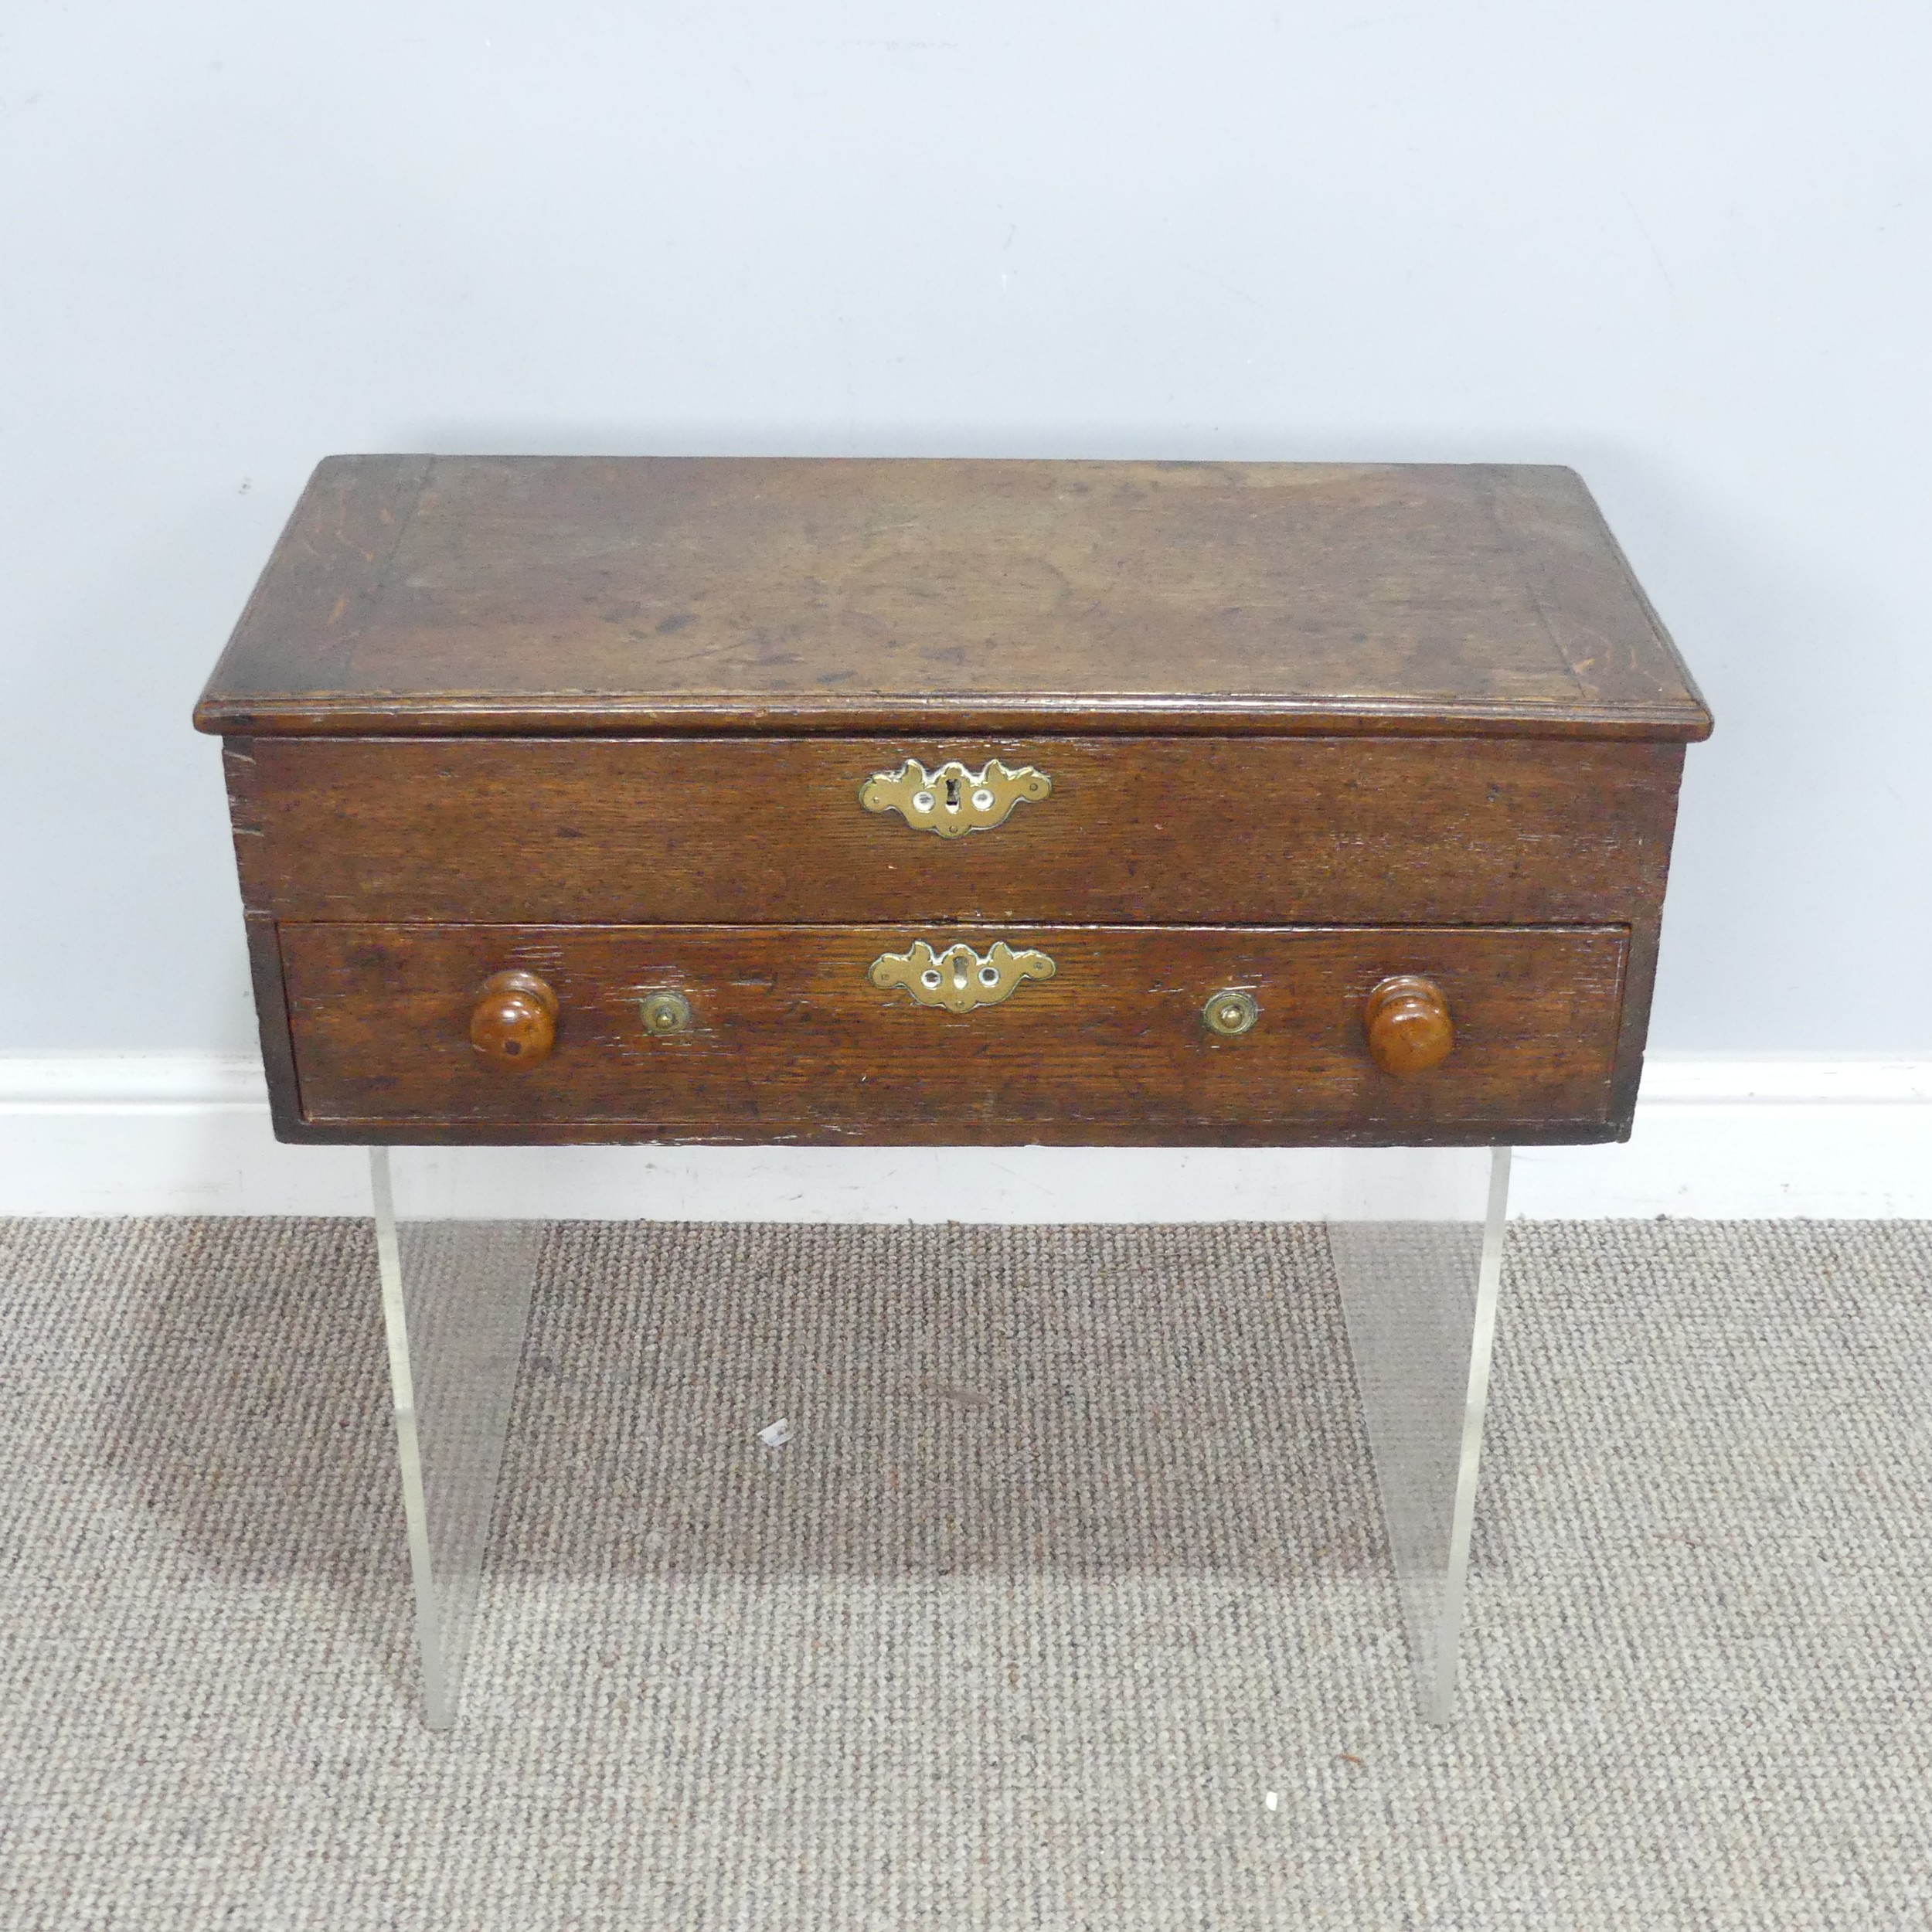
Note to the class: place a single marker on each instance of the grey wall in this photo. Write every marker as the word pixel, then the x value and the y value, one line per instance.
pixel 1682 244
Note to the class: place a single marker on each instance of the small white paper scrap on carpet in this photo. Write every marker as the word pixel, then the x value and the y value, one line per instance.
pixel 777 1435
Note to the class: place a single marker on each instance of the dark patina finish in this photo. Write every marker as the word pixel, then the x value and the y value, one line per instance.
pixel 642 729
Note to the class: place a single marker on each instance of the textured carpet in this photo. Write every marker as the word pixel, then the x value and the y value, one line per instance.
pixel 1073 1558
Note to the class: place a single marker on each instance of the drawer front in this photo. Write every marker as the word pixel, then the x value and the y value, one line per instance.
pixel 1301 831
pixel 800 1035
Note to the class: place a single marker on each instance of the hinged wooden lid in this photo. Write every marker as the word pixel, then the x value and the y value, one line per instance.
pixel 551 594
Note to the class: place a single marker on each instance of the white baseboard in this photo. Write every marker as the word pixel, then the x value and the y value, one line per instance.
pixel 1715 1138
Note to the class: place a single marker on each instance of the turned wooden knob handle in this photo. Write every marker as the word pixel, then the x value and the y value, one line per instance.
pixel 514 1023
pixel 1407 1021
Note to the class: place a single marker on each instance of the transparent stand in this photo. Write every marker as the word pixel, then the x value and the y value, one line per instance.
pixel 456 1299
pixel 1417 1239
pixel 1419 1295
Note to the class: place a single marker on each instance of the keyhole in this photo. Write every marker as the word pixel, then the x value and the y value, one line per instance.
pixel 952 794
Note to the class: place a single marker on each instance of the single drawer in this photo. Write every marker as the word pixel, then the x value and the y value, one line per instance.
pixel 1060 1033
pixel 1285 830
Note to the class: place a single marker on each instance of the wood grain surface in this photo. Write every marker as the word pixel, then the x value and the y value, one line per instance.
pixel 1401 832
pixel 587 594
pixel 606 719
pixel 789 1040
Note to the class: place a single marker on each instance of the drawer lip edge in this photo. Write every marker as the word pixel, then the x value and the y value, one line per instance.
pixel 890 927
pixel 453 1131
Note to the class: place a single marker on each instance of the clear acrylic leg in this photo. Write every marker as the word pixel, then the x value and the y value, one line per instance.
pixel 1416 1238
pixel 1418 1254
pixel 455 1300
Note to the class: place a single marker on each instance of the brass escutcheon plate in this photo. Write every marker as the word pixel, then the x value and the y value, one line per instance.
pixel 959 979
pixel 953 801
pixel 1231 1012
pixel 665 1012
